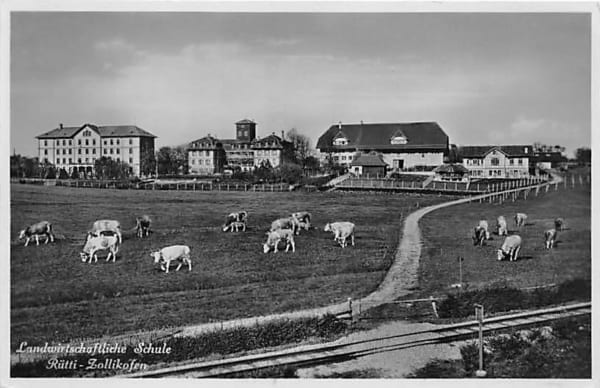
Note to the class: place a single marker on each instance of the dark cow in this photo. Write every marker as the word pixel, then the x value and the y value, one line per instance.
pixel 235 217
pixel 142 226
pixel 42 228
pixel 479 235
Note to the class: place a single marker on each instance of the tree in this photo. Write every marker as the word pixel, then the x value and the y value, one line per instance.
pixel 107 168
pixel 148 164
pixel 289 172
pixel 264 172
pixel 163 158
pixel 172 160
pixel 301 146
pixel 75 173
pixel 583 155
pixel 63 174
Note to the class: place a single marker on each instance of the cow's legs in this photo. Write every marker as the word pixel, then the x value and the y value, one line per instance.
pixel 108 256
pixel 352 239
pixel 27 241
pixel 179 266
pixel 189 263
pixel 37 239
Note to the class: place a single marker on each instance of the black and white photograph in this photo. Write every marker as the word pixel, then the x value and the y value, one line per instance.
pixel 278 192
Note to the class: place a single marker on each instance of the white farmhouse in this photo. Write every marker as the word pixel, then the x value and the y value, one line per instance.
pixel 506 161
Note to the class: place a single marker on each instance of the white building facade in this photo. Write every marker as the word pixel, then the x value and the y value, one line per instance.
pixel 78 148
pixel 510 162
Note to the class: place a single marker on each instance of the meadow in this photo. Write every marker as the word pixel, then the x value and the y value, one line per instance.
pixel 57 298
pixel 445 241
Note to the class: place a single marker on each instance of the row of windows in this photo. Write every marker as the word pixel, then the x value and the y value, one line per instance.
pixel 202 161
pixel 87 151
pixel 200 153
pixel 494 161
pixel 70 142
pixel 87 160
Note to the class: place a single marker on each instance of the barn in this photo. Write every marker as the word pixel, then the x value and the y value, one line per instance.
pixel 369 165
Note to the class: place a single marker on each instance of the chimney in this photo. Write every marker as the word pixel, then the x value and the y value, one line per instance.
pixel 282 135
pixel 339 125
pixel 60 125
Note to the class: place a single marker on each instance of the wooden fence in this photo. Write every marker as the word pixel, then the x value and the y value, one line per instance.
pixel 181 186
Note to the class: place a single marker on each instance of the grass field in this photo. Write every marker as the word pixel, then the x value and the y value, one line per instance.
pixel 445 241
pixel 55 297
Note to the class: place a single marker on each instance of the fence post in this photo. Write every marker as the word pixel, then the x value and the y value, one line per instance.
pixel 479 316
pixel 433 305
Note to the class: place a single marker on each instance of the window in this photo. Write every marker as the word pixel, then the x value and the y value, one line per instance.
pixel 111 151
pixel 93 141
pixel 86 160
pixel 87 142
pixel 45 142
pixel 117 141
pixel 399 139
pixel 79 142
pixel 131 150
pixel 511 161
pixel 64 142
pixel 111 141
pixel 79 160
pixel 79 151
pixel 200 162
pixel 130 141
pixel 495 161
pixel 118 159
pixel 58 142
pixel 340 141
pixel 520 162
pixel 93 151
pixel 70 160
pixel 104 142
pixel 118 151
pixel 193 161
pixel 246 132
pixel 70 142
pixel 490 172
pixel 87 151
pixel 45 152
pixel 70 151
pixel 105 151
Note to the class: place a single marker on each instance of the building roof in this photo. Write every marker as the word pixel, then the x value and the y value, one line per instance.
pixel 378 136
pixel 210 141
pixel 368 160
pixel 245 121
pixel 509 150
pixel 453 168
pixel 276 141
pixel 553 157
pixel 103 131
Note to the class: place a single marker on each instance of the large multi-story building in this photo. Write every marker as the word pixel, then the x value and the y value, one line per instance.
pixel 401 146
pixel 209 155
pixel 78 147
pixel 506 161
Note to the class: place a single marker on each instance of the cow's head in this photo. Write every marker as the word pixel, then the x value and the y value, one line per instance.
pixel 226 227
pixel 22 234
pixel 156 256
pixel 266 248
pixel 84 256
pixel 501 254
pixel 328 228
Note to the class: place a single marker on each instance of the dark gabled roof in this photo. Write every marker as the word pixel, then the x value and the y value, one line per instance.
pixel 509 150
pixel 377 136
pixel 368 160
pixel 262 143
pixel 104 131
pixel 451 169
pixel 245 121
pixel 197 144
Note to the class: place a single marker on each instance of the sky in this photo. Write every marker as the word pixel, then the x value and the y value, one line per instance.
pixel 486 78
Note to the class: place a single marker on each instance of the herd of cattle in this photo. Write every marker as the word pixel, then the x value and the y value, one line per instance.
pixel 512 244
pixel 106 235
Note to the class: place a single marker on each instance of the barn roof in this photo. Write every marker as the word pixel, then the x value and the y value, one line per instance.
pixel 509 150
pixel 419 135
pixel 368 160
pixel 245 121
pixel 103 131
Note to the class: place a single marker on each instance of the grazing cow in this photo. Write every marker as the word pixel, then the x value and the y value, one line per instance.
pixel 550 238
pixel 100 243
pixel 341 231
pixel 510 248
pixel 43 228
pixel 479 235
pixel 303 218
pixel 178 253
pixel 285 223
pixel 484 224
pixel 558 223
pixel 103 226
pixel 520 219
pixel 237 225
pixel 235 217
pixel 502 227
pixel 142 225
pixel 274 237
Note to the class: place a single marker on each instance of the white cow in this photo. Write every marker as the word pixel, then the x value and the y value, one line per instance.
pixel 178 253
pixel 501 226
pixel 241 216
pixel 274 237
pixel 285 223
pixel 550 238
pixel 510 248
pixel 42 228
pixel 520 219
pixel 341 231
pixel 100 243
pixel 142 225
pixel 101 226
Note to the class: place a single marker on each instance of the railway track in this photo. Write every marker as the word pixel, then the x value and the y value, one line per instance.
pixel 341 351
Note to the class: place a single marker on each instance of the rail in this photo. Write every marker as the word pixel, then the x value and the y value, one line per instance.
pixel 338 351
